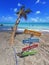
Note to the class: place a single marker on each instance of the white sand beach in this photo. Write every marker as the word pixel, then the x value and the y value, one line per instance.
pixel 7 56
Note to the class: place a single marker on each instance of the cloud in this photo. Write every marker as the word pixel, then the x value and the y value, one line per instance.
pixel 41 2
pixel 7 19
pixel 38 12
pixel 37 1
pixel 15 9
pixel 47 17
pixel 37 19
pixel 19 4
pixel 44 2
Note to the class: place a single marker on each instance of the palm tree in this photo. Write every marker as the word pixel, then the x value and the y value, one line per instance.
pixel 21 13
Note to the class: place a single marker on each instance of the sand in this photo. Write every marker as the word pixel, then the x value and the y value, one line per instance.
pixel 7 55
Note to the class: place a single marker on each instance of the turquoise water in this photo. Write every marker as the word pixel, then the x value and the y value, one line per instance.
pixel 36 26
pixel 42 26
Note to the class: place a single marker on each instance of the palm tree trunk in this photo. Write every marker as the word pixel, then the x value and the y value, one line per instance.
pixel 14 30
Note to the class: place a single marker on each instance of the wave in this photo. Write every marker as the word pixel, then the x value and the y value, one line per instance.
pixel 21 29
pixel 34 30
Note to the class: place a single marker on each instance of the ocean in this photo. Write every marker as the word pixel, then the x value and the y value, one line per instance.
pixel 32 26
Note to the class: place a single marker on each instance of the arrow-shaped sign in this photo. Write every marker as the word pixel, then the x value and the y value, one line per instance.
pixel 30 47
pixel 30 41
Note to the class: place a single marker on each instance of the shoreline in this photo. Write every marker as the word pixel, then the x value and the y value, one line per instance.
pixel 22 30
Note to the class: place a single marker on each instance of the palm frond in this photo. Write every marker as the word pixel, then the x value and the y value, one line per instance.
pixel 17 12
pixel 22 7
pixel 28 11
pixel 25 16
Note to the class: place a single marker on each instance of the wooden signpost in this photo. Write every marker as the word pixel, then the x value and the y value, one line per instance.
pixel 27 53
pixel 29 47
pixel 30 41
pixel 31 32
pixel 29 50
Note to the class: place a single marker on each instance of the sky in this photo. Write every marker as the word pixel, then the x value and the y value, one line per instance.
pixel 40 10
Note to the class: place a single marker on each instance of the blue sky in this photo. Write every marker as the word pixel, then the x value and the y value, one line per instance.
pixel 40 9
